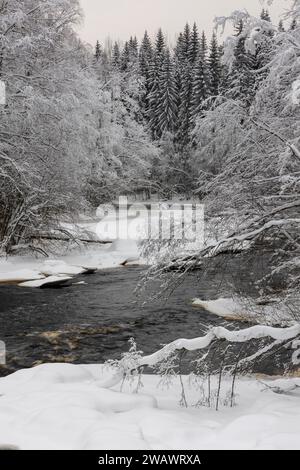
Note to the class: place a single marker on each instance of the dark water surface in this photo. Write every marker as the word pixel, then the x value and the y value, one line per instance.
pixel 93 322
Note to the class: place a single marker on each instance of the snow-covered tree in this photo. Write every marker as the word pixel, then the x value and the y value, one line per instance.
pixel 214 66
pixel 168 105
pixel 249 157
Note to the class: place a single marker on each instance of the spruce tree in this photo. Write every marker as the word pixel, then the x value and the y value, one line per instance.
pixel 186 44
pixel 145 55
pixel 133 50
pixel 194 47
pixel 179 49
pixel 145 61
pixel 125 57
pixel 200 90
pixel 116 55
pixel 185 107
pixel 203 48
pixel 98 51
pixel 160 43
pixel 214 66
pixel 155 71
pixel 167 105
pixel 241 78
pixel 185 79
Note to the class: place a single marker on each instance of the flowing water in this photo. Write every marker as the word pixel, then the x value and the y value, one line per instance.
pixel 92 322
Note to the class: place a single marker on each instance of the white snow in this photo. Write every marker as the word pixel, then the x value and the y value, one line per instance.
pixel 229 308
pixel 219 332
pixel 17 269
pixel 59 279
pixel 56 267
pixel 19 275
pixel 247 310
pixel 60 406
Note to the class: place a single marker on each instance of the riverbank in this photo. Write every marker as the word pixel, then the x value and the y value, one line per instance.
pixel 60 406
pixel 37 271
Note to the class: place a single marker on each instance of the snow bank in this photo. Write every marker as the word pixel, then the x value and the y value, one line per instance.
pixel 50 280
pixel 247 310
pixel 57 267
pixel 60 406
pixel 13 277
pixel 21 270
pixel 231 309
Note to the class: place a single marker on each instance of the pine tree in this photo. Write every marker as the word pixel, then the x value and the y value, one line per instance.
pixel 203 48
pixel 214 66
pixel 145 55
pixel 186 44
pixel 294 25
pixel 116 55
pixel 241 78
pixel 184 78
pixel 179 49
pixel 125 58
pixel 160 43
pixel 167 106
pixel 145 61
pixel 98 51
pixel 133 50
pixel 194 47
pixel 185 109
pixel 200 89
pixel 155 74
pixel 264 50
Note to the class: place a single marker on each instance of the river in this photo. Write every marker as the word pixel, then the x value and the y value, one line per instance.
pixel 92 322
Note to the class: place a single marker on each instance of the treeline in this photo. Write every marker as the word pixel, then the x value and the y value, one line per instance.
pixel 179 84
pixel 175 83
pixel 175 87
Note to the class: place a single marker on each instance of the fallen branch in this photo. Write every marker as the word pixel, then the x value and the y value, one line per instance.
pixel 68 239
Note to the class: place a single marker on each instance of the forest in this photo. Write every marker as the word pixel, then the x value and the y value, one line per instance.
pixel 209 118
pixel 213 119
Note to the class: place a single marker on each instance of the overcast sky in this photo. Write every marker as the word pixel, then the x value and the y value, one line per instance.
pixel 119 19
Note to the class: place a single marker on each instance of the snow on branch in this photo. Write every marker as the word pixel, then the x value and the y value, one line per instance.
pixel 134 361
pixel 253 31
pixel 219 332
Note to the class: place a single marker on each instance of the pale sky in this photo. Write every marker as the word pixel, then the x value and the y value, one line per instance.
pixel 119 19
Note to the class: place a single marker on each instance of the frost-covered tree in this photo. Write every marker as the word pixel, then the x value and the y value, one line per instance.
pixel 214 66
pixel 155 75
pixel 200 89
pixel 250 156
pixel 98 51
pixel 203 47
pixel 125 57
pixel 168 105
pixel 145 55
pixel 47 128
pixel 194 47
pixel 116 55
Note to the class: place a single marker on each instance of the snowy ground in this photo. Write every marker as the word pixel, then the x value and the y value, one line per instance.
pixel 62 406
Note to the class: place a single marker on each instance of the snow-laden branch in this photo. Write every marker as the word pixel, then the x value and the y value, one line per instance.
pixel 279 335
pixel 219 332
